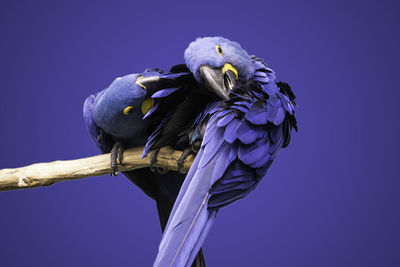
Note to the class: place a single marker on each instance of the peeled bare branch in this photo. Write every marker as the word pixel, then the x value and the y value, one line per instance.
pixel 44 174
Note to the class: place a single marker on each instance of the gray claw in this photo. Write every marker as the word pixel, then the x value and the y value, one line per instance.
pixel 153 159
pixel 186 153
pixel 120 153
pixel 116 154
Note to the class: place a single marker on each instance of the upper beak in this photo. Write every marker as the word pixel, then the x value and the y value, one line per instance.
pixel 219 80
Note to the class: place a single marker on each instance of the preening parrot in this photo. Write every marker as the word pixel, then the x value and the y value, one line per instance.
pixel 114 120
pixel 237 137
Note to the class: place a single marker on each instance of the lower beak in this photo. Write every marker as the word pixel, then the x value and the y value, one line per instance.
pixel 219 80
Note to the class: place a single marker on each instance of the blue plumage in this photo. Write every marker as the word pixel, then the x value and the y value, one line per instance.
pixel 114 118
pixel 243 135
pixel 108 124
pixel 109 114
pixel 164 92
pixel 226 106
pixel 92 127
pixel 203 51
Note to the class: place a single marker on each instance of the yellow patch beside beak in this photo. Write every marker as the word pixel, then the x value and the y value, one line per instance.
pixel 138 82
pixel 227 67
pixel 147 105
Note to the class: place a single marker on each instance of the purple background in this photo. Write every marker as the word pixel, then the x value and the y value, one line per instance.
pixel 331 198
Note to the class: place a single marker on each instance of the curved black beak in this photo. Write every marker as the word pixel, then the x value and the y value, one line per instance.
pixel 219 80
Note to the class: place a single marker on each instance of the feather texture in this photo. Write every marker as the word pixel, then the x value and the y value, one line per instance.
pixel 242 138
pixel 107 124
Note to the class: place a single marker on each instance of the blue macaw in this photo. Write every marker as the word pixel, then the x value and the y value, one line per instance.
pixel 114 120
pixel 237 138
pixel 114 116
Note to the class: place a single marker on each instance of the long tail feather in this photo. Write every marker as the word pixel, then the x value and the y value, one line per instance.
pixel 189 222
pixel 183 251
pixel 190 228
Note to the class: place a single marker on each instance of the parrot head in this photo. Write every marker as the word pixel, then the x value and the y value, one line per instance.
pixel 120 109
pixel 218 63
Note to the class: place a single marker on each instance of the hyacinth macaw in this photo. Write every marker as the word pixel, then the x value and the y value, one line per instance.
pixel 114 120
pixel 237 138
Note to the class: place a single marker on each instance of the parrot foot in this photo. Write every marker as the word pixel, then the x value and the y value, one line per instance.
pixel 153 159
pixel 116 154
pixel 186 153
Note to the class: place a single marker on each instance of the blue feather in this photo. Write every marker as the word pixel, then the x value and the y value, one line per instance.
pixel 260 74
pixel 211 149
pixel 240 108
pixel 230 134
pixel 246 133
pixel 257 115
pixel 225 157
pixel 164 92
pixel 151 111
pixel 226 119
pixel 262 79
pixel 250 154
pixel 223 113
pixel 210 133
pixel 173 75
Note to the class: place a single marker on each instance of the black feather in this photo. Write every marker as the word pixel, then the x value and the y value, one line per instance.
pixel 290 120
pixel 180 110
pixel 179 68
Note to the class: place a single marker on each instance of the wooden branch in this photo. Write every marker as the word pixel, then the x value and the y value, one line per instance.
pixel 44 174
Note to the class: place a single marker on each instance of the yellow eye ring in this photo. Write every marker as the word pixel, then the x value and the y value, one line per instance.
pixel 128 110
pixel 219 49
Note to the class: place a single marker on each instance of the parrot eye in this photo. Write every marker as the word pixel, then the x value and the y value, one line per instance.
pixel 219 49
pixel 128 110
